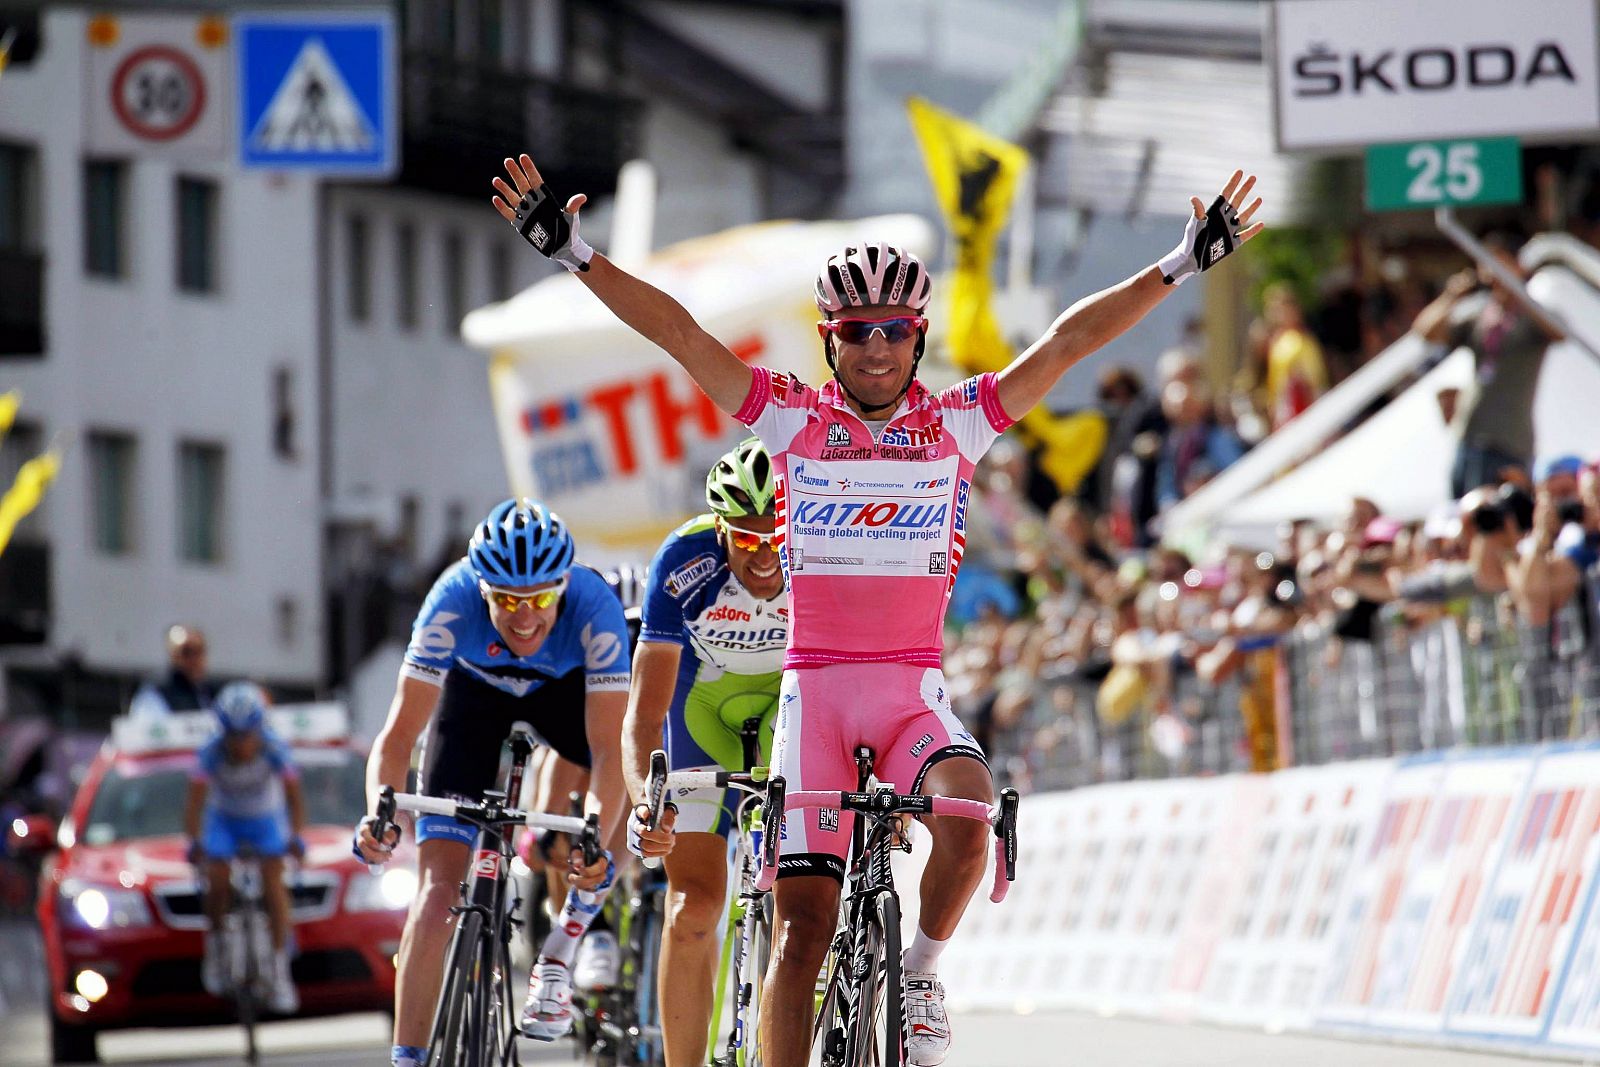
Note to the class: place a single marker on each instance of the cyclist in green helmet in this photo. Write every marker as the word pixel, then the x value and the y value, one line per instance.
pixel 716 619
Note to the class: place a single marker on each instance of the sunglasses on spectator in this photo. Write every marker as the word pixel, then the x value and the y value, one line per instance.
pixel 859 331
pixel 512 601
pixel 749 540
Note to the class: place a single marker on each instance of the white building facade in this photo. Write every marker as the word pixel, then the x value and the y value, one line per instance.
pixel 269 423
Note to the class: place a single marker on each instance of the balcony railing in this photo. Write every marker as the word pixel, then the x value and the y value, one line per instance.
pixel 462 118
pixel 21 303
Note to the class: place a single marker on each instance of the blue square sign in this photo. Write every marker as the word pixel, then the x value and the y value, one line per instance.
pixel 317 92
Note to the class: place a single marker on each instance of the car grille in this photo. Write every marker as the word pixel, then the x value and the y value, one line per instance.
pixel 313 895
pixel 179 978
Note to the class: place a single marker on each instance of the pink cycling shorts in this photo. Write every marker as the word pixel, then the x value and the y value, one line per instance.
pixel 900 712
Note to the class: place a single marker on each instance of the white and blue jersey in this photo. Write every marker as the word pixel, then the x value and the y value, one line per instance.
pixel 729 669
pixel 245 804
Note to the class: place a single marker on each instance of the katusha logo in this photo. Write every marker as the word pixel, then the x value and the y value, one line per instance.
pixel 889 513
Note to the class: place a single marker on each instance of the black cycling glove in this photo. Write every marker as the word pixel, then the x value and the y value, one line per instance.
pixel 550 230
pixel 1205 241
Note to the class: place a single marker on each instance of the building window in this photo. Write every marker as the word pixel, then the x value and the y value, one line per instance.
pixel 500 271
pixel 18 175
pixel 113 461
pixel 455 283
pixel 200 501
pixel 197 235
pixel 358 263
pixel 105 214
pixel 283 413
pixel 405 265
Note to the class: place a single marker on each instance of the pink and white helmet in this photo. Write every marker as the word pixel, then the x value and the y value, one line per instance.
pixel 876 273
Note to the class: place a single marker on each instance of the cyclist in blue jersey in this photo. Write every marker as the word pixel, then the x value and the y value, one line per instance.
pixel 512 633
pixel 716 619
pixel 245 795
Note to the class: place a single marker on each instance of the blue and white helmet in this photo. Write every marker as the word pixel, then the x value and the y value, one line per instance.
pixel 241 707
pixel 521 543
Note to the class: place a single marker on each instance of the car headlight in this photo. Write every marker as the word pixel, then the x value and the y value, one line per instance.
pixel 391 889
pixel 96 907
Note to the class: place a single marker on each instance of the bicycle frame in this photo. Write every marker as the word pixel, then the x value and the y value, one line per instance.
pixel 491 1024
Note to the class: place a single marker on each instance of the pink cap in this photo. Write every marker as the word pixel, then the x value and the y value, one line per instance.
pixel 1380 531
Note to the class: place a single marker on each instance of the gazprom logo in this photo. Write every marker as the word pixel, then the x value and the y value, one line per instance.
pixel 803 478
pixel 961 505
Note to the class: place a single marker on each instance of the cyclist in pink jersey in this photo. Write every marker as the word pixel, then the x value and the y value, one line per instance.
pixel 874 474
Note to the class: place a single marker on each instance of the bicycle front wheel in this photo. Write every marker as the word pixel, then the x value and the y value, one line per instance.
pixel 875 1036
pixel 450 1044
pixel 755 979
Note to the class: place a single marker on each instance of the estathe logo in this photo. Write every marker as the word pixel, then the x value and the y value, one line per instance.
pixel 962 492
pixel 912 436
pixel 1320 71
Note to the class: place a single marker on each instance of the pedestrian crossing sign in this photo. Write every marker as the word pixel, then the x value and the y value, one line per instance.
pixel 317 92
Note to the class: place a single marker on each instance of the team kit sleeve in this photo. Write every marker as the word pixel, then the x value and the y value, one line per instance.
pixel 776 408
pixel 662 619
pixel 606 667
pixel 207 760
pixel 973 413
pixel 281 758
pixel 440 624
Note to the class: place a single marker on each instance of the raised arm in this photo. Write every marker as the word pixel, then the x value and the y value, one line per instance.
pixel 529 205
pixel 1086 326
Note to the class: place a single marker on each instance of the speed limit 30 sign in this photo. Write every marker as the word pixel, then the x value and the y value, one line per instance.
pixel 158 93
pixel 159 85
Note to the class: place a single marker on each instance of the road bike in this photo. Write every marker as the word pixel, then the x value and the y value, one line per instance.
pixel 860 1019
pixel 475 1023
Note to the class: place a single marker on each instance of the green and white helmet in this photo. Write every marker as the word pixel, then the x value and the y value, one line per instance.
pixel 741 482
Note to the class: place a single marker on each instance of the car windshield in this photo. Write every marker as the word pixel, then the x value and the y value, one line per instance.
pixel 151 803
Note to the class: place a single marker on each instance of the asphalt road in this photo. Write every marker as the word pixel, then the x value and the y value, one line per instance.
pixel 1042 1040
pixel 981 1041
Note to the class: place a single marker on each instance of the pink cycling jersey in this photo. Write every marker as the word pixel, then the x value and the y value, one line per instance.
pixel 871 530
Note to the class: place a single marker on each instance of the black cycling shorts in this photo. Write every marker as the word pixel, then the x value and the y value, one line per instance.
pixel 463 751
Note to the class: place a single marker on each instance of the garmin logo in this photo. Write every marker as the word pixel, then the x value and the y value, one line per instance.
pixel 1322 71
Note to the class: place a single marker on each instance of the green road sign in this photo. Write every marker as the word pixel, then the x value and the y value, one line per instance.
pixel 1424 174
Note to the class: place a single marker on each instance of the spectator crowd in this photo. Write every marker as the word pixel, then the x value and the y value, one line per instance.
pixel 1082 649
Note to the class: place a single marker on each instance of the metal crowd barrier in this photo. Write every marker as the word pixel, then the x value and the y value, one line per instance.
pixel 1476 675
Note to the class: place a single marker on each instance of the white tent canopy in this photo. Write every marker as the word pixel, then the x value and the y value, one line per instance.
pixel 1401 457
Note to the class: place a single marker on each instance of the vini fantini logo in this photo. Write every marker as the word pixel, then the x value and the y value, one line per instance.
pixel 1322 71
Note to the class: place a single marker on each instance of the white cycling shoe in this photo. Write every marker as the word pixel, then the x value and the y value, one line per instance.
pixel 547 1014
pixel 927 1025
pixel 214 966
pixel 284 998
pixel 598 962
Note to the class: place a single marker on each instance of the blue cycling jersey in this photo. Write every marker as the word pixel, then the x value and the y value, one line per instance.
pixel 453 630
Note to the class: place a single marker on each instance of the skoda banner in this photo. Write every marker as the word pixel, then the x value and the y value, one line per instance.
pixel 602 425
pixel 1348 73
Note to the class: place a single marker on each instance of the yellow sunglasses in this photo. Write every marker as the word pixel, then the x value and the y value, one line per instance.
pixel 512 601
pixel 749 540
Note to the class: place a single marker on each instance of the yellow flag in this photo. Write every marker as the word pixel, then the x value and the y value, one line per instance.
pixel 9 403
pixel 26 492
pixel 974 175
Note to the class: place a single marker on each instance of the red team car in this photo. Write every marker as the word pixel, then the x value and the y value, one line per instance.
pixel 119 905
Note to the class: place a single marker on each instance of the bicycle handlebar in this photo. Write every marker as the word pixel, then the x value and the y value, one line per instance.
pixel 586 829
pixel 883 803
pixel 656 799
